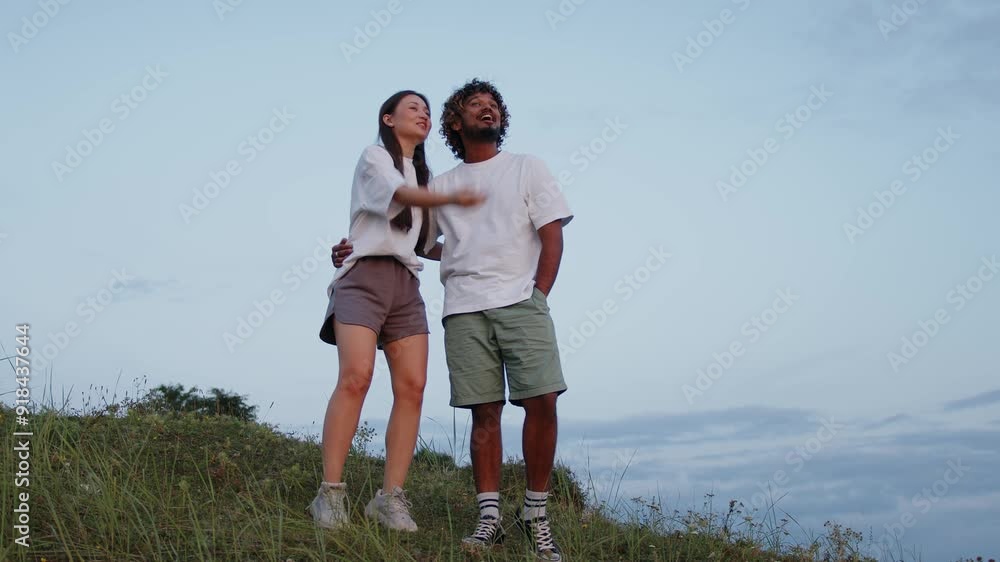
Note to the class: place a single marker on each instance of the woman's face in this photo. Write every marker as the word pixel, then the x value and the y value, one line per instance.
pixel 411 120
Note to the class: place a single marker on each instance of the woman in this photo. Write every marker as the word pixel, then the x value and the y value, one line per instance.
pixel 375 302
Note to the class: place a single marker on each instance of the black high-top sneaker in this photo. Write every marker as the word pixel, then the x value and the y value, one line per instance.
pixel 489 533
pixel 540 536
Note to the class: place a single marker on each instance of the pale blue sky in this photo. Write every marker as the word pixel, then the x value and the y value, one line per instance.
pixel 682 127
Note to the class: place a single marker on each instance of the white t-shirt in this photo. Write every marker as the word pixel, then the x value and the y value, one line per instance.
pixel 376 180
pixel 490 252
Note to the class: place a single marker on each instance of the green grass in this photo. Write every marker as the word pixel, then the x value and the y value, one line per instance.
pixel 121 484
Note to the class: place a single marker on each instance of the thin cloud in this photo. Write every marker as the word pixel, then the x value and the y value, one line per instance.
pixel 140 287
pixel 981 399
pixel 888 421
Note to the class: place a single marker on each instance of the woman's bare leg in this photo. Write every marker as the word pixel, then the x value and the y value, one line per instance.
pixel 356 349
pixel 407 358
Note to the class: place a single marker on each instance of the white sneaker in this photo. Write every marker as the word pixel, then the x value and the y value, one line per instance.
pixel 328 508
pixel 392 510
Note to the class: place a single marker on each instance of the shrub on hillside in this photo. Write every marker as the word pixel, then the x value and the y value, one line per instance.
pixel 174 398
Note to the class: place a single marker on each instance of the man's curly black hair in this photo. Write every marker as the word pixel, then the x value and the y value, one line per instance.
pixel 452 113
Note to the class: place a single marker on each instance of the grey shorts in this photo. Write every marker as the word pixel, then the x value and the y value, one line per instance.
pixel 381 294
pixel 517 340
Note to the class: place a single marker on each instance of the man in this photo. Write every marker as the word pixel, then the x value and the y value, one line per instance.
pixel 498 264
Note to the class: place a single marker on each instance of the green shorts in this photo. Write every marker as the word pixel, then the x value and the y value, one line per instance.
pixel 519 338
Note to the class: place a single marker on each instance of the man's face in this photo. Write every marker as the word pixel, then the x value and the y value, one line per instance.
pixel 480 118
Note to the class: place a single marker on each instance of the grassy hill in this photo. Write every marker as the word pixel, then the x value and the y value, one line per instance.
pixel 133 482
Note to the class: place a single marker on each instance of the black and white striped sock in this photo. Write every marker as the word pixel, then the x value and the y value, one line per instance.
pixel 489 504
pixel 534 504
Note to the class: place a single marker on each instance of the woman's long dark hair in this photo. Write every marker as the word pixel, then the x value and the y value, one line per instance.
pixel 404 220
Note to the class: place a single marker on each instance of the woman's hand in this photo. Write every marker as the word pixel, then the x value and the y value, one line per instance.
pixel 467 198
